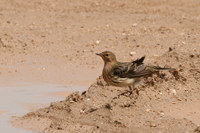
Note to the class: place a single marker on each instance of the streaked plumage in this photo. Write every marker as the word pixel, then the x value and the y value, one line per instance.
pixel 126 73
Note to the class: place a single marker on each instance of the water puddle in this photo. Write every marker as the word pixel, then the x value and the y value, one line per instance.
pixel 26 97
pixel 1 112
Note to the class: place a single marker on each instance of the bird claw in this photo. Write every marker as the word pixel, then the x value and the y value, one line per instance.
pixel 130 92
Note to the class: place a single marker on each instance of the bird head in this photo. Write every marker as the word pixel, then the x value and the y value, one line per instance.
pixel 107 56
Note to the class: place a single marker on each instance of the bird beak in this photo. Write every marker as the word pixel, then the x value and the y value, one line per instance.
pixel 98 54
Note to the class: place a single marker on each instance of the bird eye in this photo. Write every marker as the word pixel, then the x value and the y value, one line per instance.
pixel 106 54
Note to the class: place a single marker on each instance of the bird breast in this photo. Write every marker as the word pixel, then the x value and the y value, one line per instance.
pixel 117 81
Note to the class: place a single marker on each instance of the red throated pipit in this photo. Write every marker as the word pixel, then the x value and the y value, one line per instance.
pixel 126 73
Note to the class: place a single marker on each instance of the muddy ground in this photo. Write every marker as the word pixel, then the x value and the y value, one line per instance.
pixel 166 102
pixel 56 41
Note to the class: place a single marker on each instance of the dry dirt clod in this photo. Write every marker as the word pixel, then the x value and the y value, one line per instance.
pixel 98 41
pixel 173 91
pixel 59 128
pixel 170 49
pixel 108 106
pixel 197 130
pixel 179 99
pixel 134 25
pixel 77 30
pixel 153 124
pixel 132 53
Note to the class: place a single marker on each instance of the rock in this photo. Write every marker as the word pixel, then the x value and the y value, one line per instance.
pixel 98 41
pixel 153 125
pixel 132 53
pixel 173 91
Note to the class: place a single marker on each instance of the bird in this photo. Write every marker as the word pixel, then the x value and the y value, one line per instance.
pixel 126 74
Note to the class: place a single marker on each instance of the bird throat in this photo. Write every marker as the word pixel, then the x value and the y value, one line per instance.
pixel 108 65
pixel 107 68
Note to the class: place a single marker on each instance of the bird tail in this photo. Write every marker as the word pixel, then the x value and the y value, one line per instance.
pixel 139 61
pixel 163 68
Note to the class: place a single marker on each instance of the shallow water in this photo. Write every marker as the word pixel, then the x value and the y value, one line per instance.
pixel 20 99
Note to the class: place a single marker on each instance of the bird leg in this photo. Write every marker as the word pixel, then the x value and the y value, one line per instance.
pixel 130 91
pixel 133 88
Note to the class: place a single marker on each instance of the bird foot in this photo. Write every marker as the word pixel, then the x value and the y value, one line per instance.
pixel 124 94
pixel 127 93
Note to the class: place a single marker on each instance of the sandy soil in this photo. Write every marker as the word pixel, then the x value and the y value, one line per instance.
pixel 166 103
pixel 56 41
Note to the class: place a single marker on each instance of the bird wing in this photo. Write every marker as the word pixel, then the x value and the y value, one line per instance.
pixel 130 70
pixel 120 69
pixel 136 69
pixel 139 61
pixel 141 71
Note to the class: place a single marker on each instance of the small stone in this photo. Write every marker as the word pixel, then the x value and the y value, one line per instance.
pixel 134 25
pixel 98 41
pixel 147 110
pixel 170 49
pixel 173 91
pixel 197 130
pixel 191 56
pixel 155 55
pixel 123 34
pixel 71 101
pixel 153 125
pixel 179 99
pixel 132 53
pixel 82 111
pixel 162 113
pixel 183 42
pixel 107 25
pixel 59 128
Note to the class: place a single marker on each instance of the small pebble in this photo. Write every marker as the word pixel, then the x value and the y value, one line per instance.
pixel 81 111
pixel 134 25
pixel 179 99
pixel 183 42
pixel 147 110
pixel 132 53
pixel 173 91
pixel 170 49
pixel 162 113
pixel 98 41
pixel 191 56
pixel 123 34
pixel 155 55
pixel 153 125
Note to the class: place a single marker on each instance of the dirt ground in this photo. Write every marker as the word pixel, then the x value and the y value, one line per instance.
pixel 56 41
